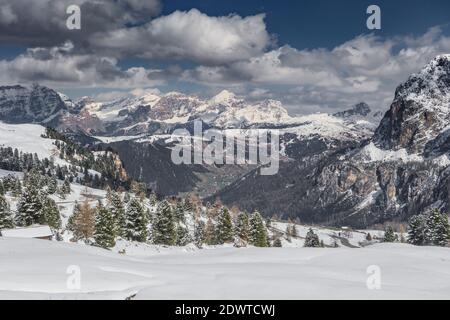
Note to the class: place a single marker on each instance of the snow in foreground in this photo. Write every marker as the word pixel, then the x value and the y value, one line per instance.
pixel 36 269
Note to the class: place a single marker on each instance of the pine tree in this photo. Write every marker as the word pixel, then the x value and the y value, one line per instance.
pixel 224 227
pixel 277 243
pixel 183 236
pixel 6 220
pixel 416 230
pixel 105 227
pixel 178 212
pixel 2 188
pixel 258 231
pixel 210 233
pixel 51 213
pixel 199 233
pixel 115 205
pixel 29 208
pixel 136 222
pixel 389 235
pixel 437 229
pixel 312 239
pixel 164 231
pixel 242 226
pixel 82 222
pixel 17 189
pixel 369 237
pixel 52 186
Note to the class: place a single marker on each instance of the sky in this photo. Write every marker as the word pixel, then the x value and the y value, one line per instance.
pixel 313 56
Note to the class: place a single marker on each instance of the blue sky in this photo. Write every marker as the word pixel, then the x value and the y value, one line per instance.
pixel 312 55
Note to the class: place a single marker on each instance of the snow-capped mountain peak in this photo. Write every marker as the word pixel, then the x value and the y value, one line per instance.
pixel 224 97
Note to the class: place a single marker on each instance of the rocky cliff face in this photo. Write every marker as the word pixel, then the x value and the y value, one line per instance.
pixel 37 104
pixel 420 111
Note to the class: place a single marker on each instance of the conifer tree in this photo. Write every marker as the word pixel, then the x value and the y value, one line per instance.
pixel 416 230
pixel 389 235
pixel 17 189
pixel 66 187
pixel 242 226
pixel 258 231
pixel 29 208
pixel 277 243
pixel 210 233
pixel 2 188
pixel 82 222
pixel 105 227
pixel 312 239
pixel 183 236
pixel 52 186
pixel 136 222
pixel 51 213
pixel 164 229
pixel 6 220
pixel 437 231
pixel 178 212
pixel 199 233
pixel 224 227
pixel 115 205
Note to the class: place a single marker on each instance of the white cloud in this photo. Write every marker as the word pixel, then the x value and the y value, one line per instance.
pixel 190 35
pixel 365 68
pixel 58 66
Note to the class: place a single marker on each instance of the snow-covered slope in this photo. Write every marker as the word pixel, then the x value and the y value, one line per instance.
pixel 27 138
pixel 276 273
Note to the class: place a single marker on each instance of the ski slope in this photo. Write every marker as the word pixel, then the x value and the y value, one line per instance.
pixel 37 269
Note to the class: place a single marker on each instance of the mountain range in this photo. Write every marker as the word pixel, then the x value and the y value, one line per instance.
pixel 354 167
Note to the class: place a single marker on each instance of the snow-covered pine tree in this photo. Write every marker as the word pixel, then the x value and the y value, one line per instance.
pixel 312 239
pixel 277 243
pixel 2 188
pixel 6 220
pixel 105 227
pixel 178 212
pixel 51 213
pixel 115 205
pixel 29 208
pixel 437 229
pixel 52 186
pixel 242 226
pixel 224 227
pixel 389 235
pixel 183 236
pixel 17 189
pixel 199 233
pixel 258 231
pixel 416 230
pixel 164 229
pixel 136 222
pixel 66 187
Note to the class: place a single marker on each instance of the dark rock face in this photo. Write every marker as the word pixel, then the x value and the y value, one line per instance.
pixel 23 105
pixel 360 109
pixel 420 110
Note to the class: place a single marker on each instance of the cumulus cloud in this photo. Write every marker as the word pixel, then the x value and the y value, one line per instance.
pixel 190 35
pixel 59 66
pixel 43 22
